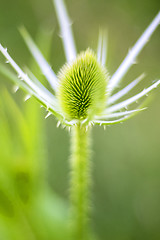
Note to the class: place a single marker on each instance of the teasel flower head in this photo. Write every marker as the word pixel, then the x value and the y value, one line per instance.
pixel 82 92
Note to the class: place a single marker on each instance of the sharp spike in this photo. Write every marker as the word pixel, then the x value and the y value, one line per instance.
pixel 43 64
pixel 118 114
pixel 58 124
pixel 125 90
pixel 48 114
pixel 133 99
pixel 19 76
pixel 27 97
pixel 15 88
pixel 66 31
pixel 133 53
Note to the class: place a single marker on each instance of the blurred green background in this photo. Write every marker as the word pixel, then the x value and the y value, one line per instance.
pixel 126 157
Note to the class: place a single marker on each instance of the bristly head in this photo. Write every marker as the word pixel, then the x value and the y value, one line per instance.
pixel 82 92
pixel 82 87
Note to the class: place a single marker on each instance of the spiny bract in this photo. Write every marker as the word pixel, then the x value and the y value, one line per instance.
pixel 82 92
pixel 82 89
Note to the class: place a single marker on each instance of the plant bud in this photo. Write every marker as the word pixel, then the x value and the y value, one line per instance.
pixel 82 87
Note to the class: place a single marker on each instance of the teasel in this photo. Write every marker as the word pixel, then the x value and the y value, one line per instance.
pixel 81 95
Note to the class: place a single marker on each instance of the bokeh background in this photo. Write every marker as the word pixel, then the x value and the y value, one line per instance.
pixel 125 157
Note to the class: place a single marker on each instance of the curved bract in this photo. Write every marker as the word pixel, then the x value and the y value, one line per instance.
pixel 82 92
pixel 81 95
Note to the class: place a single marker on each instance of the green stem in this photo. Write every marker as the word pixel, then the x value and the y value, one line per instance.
pixel 80 182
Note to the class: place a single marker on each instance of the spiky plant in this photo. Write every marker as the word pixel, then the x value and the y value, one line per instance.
pixel 81 96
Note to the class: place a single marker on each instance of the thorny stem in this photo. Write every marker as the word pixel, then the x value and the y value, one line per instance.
pixel 80 182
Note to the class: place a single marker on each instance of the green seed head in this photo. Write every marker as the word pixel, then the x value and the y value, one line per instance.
pixel 82 90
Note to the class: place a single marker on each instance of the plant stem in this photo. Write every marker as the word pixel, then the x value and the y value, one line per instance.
pixel 80 182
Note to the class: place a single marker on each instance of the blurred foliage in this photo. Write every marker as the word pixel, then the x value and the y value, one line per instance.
pixel 33 157
pixel 28 207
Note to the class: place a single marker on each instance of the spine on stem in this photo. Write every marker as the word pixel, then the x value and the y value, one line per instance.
pixel 80 182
